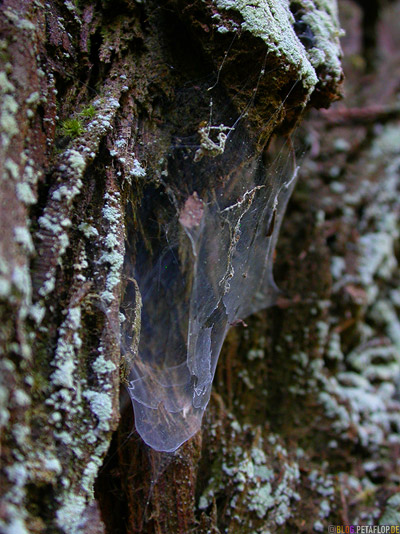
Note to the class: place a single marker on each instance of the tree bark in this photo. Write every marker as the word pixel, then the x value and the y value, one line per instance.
pixel 102 105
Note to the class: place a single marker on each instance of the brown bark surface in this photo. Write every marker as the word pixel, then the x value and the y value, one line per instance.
pixel 101 108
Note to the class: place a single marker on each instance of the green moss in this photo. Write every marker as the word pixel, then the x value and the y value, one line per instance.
pixel 72 128
pixel 88 113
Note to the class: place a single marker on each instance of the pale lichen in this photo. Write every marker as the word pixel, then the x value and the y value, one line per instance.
pixel 101 406
pixel 113 256
pixel 102 366
pixel 273 23
pixel 8 111
pixel 70 513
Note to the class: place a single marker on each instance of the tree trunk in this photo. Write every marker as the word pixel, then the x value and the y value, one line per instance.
pixel 113 115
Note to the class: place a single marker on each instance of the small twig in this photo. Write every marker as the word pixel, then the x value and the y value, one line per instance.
pixel 364 115
pixel 344 511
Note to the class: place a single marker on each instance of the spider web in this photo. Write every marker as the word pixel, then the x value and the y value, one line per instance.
pixel 214 269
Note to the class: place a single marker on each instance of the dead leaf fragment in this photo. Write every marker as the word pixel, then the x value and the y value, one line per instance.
pixel 192 212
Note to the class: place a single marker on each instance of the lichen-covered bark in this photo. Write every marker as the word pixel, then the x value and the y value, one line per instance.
pixel 94 98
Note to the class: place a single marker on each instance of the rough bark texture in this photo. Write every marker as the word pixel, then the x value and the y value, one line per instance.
pixel 303 426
